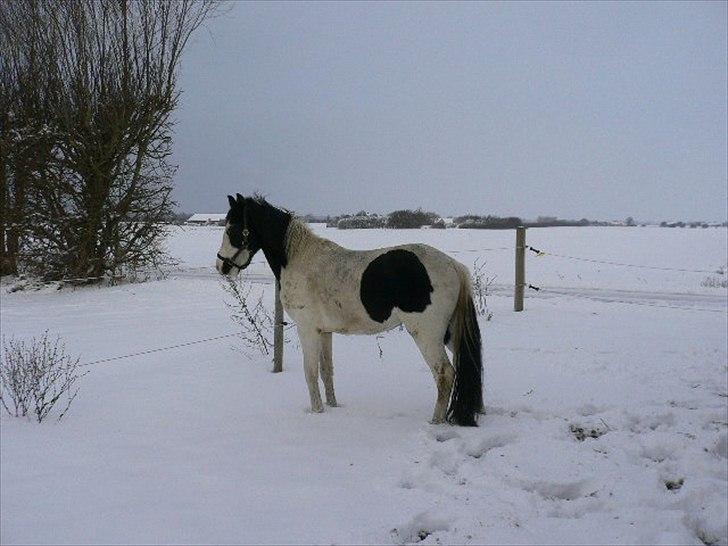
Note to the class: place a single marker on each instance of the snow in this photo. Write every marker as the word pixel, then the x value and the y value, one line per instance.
pixel 605 390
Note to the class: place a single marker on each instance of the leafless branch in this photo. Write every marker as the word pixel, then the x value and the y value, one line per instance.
pixel 252 316
pixel 481 287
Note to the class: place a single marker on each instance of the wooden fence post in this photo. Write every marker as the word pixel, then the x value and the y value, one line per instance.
pixel 520 268
pixel 278 331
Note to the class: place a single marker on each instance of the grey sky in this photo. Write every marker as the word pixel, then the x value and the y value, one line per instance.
pixel 597 110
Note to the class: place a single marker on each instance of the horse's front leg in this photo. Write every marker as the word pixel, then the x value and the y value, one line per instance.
pixel 327 368
pixel 311 346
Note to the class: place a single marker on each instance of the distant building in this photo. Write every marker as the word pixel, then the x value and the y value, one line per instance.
pixel 206 219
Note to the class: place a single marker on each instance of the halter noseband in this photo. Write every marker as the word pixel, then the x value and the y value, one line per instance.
pixel 230 262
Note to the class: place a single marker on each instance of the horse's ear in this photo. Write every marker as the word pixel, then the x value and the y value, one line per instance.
pixel 231 200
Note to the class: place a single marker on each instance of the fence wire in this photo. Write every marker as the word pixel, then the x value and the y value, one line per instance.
pixel 652 267
pixel 607 299
pixel 538 290
pixel 463 251
pixel 158 349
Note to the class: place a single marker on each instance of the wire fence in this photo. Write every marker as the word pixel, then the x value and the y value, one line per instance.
pixel 604 297
pixel 261 277
pixel 267 278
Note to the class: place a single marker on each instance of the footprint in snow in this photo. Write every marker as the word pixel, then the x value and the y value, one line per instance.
pixel 565 491
pixel 419 528
pixel 587 410
pixel 674 485
pixel 582 431
pixel 653 422
pixel 486 444
pixel 444 462
pixel 445 434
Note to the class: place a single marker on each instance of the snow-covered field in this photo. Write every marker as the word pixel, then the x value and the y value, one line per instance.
pixel 202 444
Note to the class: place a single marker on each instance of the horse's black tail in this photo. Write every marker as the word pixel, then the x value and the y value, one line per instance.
pixel 467 395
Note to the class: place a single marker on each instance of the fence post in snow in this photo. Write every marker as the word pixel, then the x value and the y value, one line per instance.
pixel 278 332
pixel 520 268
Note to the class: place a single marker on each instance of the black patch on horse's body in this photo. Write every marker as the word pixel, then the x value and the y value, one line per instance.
pixel 395 279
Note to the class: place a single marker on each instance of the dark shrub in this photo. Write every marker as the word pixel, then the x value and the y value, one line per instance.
pixel 492 222
pixel 410 219
pixel 361 222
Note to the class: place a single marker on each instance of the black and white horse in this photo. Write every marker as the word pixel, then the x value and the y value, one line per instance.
pixel 329 289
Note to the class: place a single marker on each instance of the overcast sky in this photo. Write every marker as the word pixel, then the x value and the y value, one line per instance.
pixel 577 110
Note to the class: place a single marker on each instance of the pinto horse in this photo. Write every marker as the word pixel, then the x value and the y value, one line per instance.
pixel 327 289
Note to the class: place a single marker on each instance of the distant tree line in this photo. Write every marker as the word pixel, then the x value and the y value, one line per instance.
pixel 408 218
pixel 87 88
pixel 692 224
pixel 471 221
pixel 360 220
pixel 413 219
pixel 398 219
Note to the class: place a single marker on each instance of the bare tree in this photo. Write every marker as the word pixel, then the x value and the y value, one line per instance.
pixel 25 139
pixel 93 201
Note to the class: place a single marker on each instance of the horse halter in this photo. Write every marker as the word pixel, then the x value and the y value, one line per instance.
pixel 230 262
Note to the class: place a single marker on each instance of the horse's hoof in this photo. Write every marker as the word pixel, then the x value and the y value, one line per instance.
pixel 332 404
pixel 319 409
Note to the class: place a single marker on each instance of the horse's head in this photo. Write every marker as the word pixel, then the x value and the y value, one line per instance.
pixel 239 243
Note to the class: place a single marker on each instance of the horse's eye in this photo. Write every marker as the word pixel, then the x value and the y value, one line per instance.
pixel 235 233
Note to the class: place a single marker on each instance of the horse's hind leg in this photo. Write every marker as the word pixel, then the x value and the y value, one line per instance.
pixel 433 351
pixel 311 345
pixel 327 368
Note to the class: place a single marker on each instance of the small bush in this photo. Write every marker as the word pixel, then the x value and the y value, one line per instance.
pixel 719 280
pixel 36 375
pixel 552 221
pixel 251 316
pixel 490 222
pixel 361 222
pixel 410 219
pixel 481 287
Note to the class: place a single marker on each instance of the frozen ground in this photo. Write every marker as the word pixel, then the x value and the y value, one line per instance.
pixel 607 411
